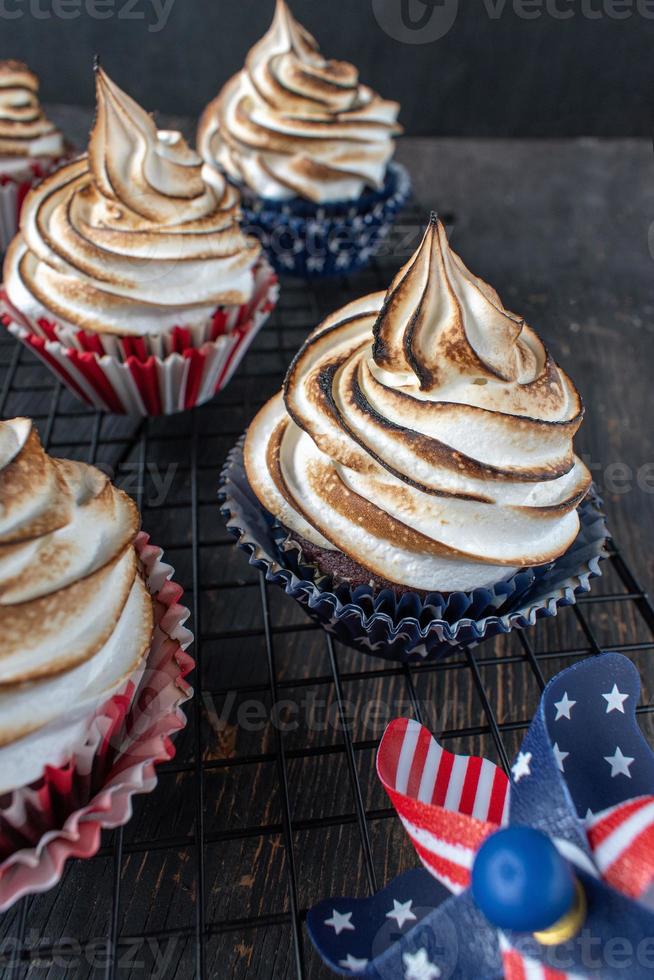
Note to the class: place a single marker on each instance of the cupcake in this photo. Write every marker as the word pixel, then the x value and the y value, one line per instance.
pixel 130 275
pixel 30 145
pixel 419 463
pixel 89 661
pixel 310 148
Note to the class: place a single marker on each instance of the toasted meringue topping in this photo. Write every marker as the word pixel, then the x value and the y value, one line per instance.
pixel 76 618
pixel 293 123
pixel 426 433
pixel 131 238
pixel 24 129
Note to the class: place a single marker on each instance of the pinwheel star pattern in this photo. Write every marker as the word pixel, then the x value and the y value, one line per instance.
pixel 352 963
pixel 560 756
pixel 402 913
pixel 418 966
pixel 615 700
pixel 619 763
pixel 521 767
pixel 564 707
pixel 340 921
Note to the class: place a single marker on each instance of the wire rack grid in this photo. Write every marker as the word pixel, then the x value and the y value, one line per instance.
pixel 271 803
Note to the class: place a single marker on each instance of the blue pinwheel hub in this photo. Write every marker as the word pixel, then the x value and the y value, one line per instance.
pixel 521 882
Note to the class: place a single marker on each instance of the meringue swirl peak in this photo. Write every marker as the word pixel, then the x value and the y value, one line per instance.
pixel 24 129
pixel 425 433
pixel 134 237
pixel 293 123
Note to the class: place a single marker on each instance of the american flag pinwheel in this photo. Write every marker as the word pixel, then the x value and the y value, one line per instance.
pixel 548 875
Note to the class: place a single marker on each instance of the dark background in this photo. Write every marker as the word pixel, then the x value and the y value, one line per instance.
pixel 494 72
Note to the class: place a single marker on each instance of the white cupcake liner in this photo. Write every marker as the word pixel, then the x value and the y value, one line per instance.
pixel 99 764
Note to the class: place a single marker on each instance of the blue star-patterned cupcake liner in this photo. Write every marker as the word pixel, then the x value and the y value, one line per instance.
pixel 409 628
pixel 315 241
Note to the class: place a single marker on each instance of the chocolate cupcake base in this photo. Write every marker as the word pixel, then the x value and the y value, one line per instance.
pixel 406 626
pixel 341 569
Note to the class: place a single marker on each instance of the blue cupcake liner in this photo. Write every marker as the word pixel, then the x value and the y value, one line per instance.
pixel 409 628
pixel 315 241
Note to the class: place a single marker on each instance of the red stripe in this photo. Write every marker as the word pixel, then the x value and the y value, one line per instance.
pixel 181 340
pixel 90 342
pixel 606 825
pixel 48 328
pixel 470 784
pixel 196 359
pixel 498 796
pixel 633 871
pixel 443 778
pixel 93 373
pixel 550 974
pixel 418 763
pixel 441 866
pixel 23 191
pixel 147 382
pixel 219 323
pixel 241 333
pixel 446 825
pixel 514 968
pixel 390 748
pixel 135 347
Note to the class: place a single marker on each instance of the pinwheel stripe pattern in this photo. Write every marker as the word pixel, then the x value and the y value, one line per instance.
pixel 518 967
pixel 622 840
pixel 447 803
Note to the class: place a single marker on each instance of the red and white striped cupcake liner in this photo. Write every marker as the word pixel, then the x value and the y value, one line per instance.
pixel 149 375
pixel 13 191
pixel 62 815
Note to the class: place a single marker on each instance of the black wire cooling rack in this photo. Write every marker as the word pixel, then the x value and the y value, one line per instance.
pixel 271 803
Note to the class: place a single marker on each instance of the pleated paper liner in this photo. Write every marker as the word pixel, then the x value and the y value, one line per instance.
pixel 409 628
pixel 14 189
pixel 62 814
pixel 315 241
pixel 149 375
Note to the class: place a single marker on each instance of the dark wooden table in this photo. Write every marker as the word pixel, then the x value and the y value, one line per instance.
pixel 251 825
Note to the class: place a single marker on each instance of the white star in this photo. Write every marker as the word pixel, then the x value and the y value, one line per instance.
pixel 589 814
pixel 340 921
pixel 619 763
pixel 401 912
pixel 559 756
pixel 521 766
pixel 614 700
pixel 564 707
pixel 353 964
pixel 419 967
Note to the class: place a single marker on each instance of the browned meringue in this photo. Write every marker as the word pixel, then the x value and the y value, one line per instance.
pixel 75 614
pixel 425 433
pixel 24 129
pixel 131 238
pixel 293 123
